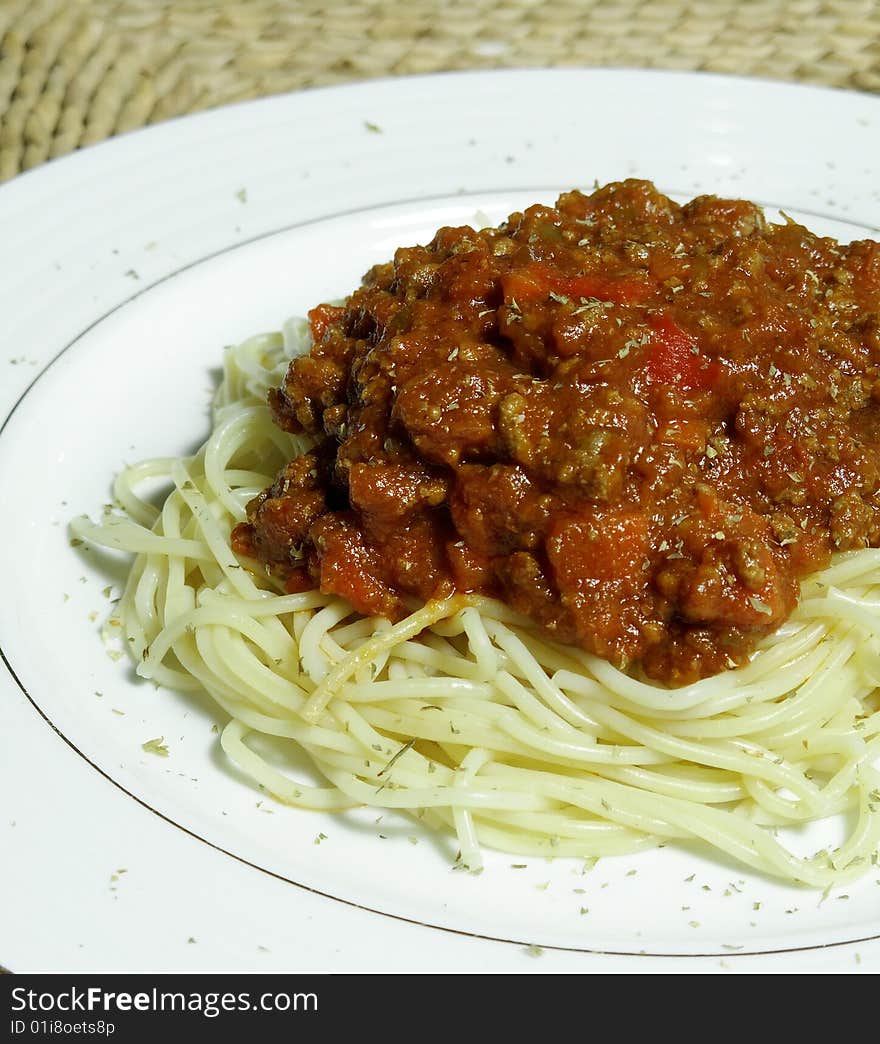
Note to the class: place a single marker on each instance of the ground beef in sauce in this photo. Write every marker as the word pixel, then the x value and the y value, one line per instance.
pixel 636 422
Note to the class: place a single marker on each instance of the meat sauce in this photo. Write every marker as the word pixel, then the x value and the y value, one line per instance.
pixel 638 423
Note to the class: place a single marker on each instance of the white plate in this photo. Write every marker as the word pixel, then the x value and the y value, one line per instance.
pixel 126 268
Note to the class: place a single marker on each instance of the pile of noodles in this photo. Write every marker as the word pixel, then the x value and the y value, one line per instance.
pixel 466 717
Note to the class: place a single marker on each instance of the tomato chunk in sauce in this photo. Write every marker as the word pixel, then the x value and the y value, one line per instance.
pixel 636 422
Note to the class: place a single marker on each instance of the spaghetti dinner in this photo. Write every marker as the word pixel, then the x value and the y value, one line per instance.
pixel 559 535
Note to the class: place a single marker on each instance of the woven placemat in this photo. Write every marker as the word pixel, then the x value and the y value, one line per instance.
pixel 73 72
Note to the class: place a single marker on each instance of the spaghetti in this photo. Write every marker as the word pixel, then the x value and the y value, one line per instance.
pixel 466 716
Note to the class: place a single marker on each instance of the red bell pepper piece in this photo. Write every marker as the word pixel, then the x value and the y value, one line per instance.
pixel 539 279
pixel 674 358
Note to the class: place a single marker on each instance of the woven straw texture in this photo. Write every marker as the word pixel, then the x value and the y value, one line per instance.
pixel 73 72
